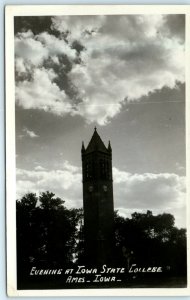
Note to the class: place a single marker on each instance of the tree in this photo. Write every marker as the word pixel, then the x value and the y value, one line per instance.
pixel 49 234
pixel 46 230
pixel 151 240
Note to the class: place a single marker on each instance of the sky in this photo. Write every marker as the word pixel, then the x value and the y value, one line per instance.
pixel 123 74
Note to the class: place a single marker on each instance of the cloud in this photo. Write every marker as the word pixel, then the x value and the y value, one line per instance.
pixel 27 48
pixel 159 193
pixel 42 93
pixel 56 46
pixel 70 168
pixel 121 59
pixel 164 192
pixel 78 27
pixel 175 25
pixel 151 190
pixel 179 167
pixel 64 182
pixel 28 133
pixel 122 65
pixel 33 50
pixel 39 168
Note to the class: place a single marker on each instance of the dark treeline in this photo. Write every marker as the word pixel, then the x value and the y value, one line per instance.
pixel 149 240
pixel 49 234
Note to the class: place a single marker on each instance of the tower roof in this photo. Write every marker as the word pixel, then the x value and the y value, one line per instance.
pixel 96 143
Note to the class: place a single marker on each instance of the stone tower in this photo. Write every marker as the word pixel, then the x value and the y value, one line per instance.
pixel 98 201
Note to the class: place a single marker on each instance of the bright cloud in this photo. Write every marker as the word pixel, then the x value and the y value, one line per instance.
pixel 159 193
pixel 78 27
pixel 125 58
pixel 122 58
pixel 132 192
pixel 28 133
pixel 65 183
pixel 149 190
pixel 39 168
pixel 42 93
pixel 56 46
pixel 29 50
pixel 32 50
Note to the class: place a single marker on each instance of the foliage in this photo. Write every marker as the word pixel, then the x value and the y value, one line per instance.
pixel 46 230
pixel 51 234
pixel 151 240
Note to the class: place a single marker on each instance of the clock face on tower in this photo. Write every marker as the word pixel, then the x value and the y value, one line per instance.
pixel 105 188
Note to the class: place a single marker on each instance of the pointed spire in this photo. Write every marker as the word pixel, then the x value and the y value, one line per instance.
pixel 83 148
pixel 109 146
pixel 96 143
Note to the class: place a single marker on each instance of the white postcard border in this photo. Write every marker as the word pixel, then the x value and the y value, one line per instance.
pixel 42 10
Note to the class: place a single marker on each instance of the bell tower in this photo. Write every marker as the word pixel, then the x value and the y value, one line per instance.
pixel 98 201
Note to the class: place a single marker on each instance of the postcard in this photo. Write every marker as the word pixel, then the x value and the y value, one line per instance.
pixel 97 150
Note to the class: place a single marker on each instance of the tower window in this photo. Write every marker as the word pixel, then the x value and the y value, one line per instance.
pixel 89 171
pixel 104 168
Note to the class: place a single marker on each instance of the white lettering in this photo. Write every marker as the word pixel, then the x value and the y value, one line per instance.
pixel 35 271
pixel 100 278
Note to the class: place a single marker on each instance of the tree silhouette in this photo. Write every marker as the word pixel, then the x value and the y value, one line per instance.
pixel 46 230
pixel 49 235
pixel 151 240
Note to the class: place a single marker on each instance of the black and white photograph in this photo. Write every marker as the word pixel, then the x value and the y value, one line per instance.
pixel 98 146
